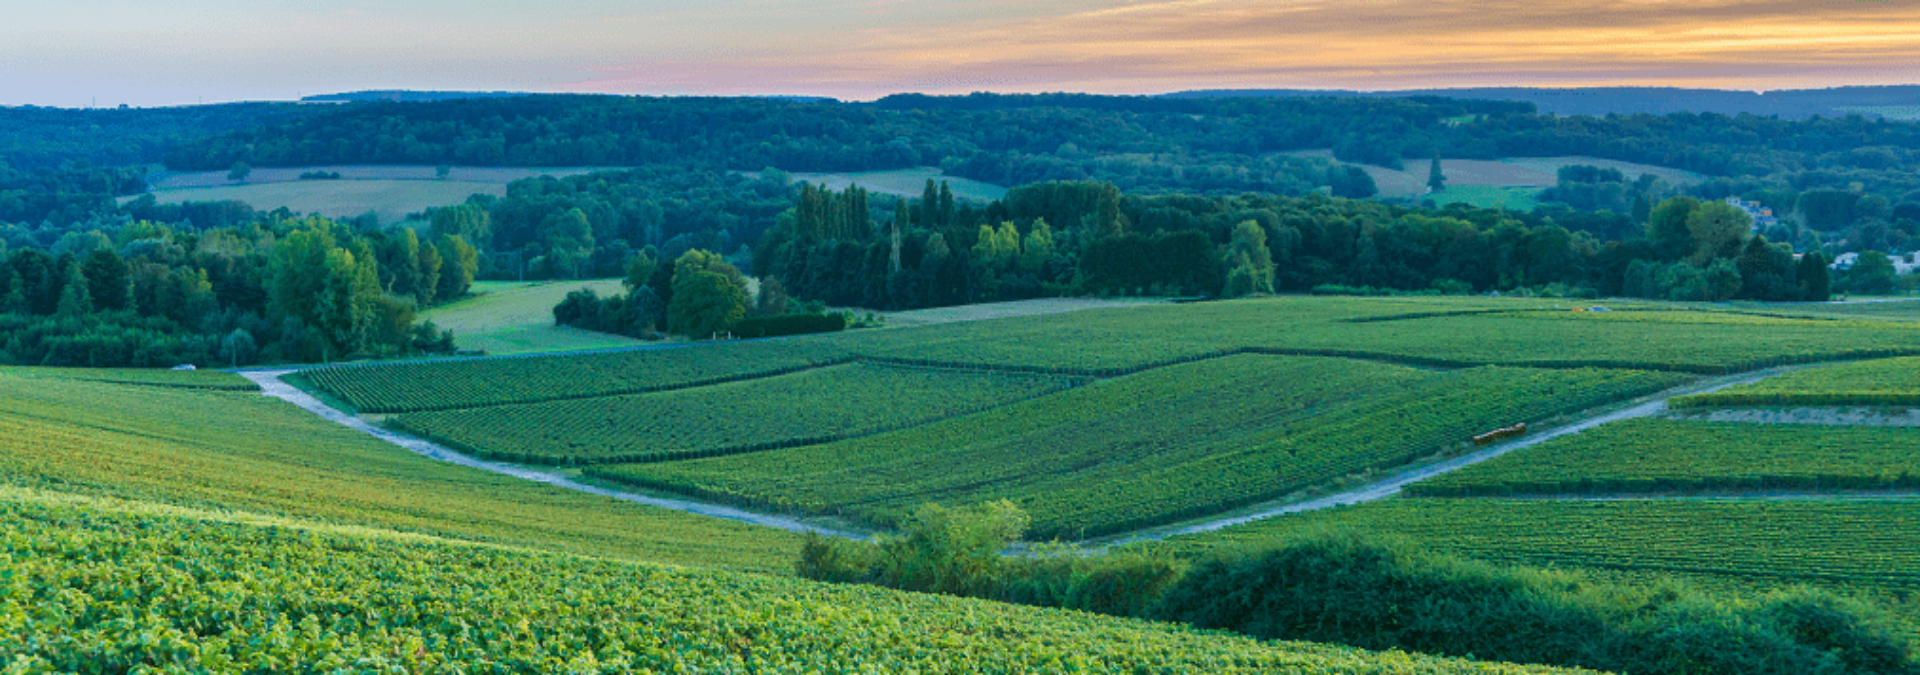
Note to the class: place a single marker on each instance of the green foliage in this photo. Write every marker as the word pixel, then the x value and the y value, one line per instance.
pixel 241 450
pixel 1645 455
pixel 1346 588
pixel 805 408
pixel 1153 447
pixel 789 324
pixel 1436 181
pixel 962 552
pixel 1860 543
pixel 113 588
pixel 709 295
pixel 1668 230
pixel 1718 231
pixel 1886 382
pixel 447 385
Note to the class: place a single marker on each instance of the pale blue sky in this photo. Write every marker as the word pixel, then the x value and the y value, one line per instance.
pixel 72 52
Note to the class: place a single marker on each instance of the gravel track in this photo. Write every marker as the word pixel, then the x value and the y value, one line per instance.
pixel 271 385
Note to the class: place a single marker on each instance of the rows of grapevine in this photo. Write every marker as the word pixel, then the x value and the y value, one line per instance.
pixel 246 451
pixel 807 408
pixel 450 384
pixel 1858 542
pixel 1884 382
pixel 91 589
pixel 1448 334
pixel 1653 455
pixel 1155 447
pixel 1453 333
pixel 183 379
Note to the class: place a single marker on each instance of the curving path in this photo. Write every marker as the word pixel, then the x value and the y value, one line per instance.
pixel 1393 485
pixel 271 385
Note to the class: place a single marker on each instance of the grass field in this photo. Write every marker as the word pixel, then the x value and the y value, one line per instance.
pixel 503 317
pixel 390 192
pixel 1892 112
pixel 105 586
pixel 1153 447
pixel 187 379
pixel 390 200
pixel 783 411
pixel 1858 543
pixel 1883 382
pixel 241 450
pixel 1522 199
pixel 1652 455
pixel 1536 173
pixel 909 183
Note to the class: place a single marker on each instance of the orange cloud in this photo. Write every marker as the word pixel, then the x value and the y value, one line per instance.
pixel 1187 44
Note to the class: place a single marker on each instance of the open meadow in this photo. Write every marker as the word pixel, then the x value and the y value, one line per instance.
pixel 390 192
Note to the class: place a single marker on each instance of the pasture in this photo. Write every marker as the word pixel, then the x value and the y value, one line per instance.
pixel 1519 178
pixel 389 192
pixel 504 317
pixel 905 183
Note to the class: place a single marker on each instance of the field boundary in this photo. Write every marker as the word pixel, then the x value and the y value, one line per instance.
pixel 398 424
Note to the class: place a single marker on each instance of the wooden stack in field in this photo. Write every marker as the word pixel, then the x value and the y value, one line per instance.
pixel 1500 434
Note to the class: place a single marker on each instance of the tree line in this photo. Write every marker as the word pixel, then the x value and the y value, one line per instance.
pixel 278 289
pixel 1090 238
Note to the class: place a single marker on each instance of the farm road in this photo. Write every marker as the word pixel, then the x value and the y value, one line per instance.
pixel 1393 485
pixel 271 385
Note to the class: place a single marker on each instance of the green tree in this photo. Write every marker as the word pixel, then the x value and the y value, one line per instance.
pixel 1037 249
pixel 467 221
pixel 1719 231
pixel 109 281
pixel 569 239
pixel 428 265
pixel 75 300
pixel 1872 272
pixel 639 271
pixel 1250 263
pixel 459 263
pixel 1667 227
pixel 1816 279
pixel 1436 181
pixel 709 295
pixel 239 171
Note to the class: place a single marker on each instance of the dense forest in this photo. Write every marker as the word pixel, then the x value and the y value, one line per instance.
pixel 279 289
pixel 1055 238
pixel 1122 195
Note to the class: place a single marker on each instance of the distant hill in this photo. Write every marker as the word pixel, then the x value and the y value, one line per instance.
pixel 410 96
pixel 1894 102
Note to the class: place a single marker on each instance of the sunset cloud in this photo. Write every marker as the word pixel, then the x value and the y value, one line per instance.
pixel 868 48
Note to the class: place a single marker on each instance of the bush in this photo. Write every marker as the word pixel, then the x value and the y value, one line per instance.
pixel 1337 586
pixel 789 324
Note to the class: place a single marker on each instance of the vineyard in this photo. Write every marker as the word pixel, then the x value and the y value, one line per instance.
pixel 1887 382
pixel 1651 455
pixel 245 451
pixel 1151 448
pixel 759 414
pixel 1430 332
pixel 448 385
pixel 95 588
pixel 1862 543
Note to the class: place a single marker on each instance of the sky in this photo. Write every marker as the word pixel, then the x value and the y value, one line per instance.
pixel 77 53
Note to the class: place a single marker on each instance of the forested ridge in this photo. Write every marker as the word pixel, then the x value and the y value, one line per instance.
pixel 1124 195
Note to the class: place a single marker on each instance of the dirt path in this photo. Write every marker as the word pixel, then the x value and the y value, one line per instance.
pixel 1393 485
pixel 271 385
